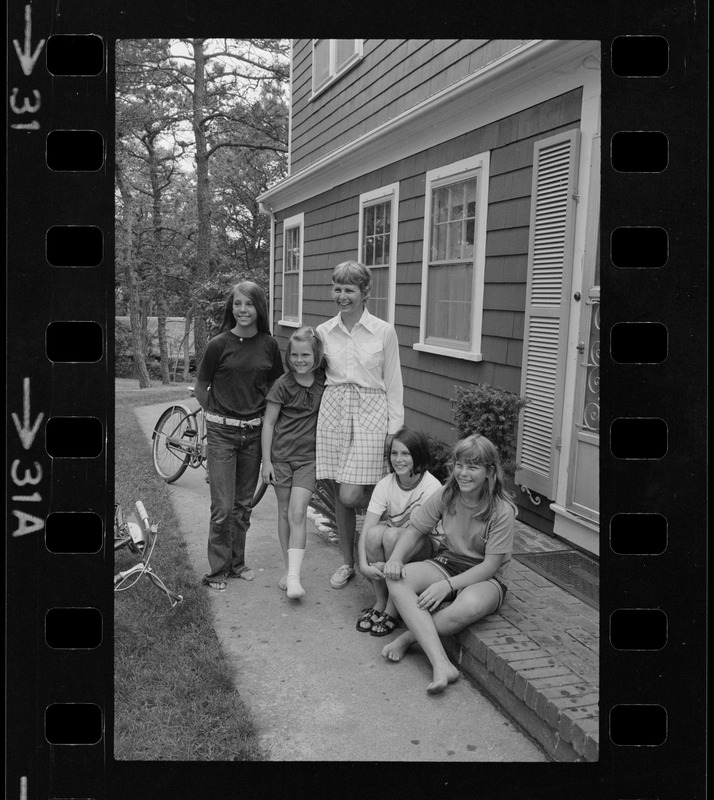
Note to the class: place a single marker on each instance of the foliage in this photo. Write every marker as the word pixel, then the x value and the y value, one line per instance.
pixel 175 696
pixel 492 412
pixel 189 232
pixel 440 452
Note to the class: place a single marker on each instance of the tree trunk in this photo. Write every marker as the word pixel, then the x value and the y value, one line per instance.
pixel 203 208
pixel 126 258
pixel 187 345
pixel 159 289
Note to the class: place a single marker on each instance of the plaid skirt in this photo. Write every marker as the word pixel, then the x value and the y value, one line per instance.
pixel 351 430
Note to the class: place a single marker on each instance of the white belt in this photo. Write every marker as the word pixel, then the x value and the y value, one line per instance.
pixel 237 423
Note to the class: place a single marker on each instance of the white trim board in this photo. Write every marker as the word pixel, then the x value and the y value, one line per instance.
pixel 531 74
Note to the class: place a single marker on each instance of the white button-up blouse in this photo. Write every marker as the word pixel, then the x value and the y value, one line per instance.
pixel 367 356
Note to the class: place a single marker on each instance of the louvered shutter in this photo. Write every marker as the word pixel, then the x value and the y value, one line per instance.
pixel 550 266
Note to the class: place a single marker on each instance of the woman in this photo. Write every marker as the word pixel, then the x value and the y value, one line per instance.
pixel 362 407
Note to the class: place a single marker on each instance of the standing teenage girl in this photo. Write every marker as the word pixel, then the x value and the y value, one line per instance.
pixel 394 499
pixel 235 374
pixel 362 406
pixel 477 518
pixel 289 447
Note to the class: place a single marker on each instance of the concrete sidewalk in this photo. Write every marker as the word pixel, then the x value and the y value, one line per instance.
pixel 316 688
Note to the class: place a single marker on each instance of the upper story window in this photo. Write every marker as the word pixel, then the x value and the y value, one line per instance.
pixel 292 270
pixel 378 219
pixel 332 57
pixel 454 258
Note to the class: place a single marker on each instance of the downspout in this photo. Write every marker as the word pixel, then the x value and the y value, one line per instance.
pixel 271 275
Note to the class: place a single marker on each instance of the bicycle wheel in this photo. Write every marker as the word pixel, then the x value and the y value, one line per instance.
pixel 174 433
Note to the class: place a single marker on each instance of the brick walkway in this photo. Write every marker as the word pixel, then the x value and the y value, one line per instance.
pixel 538 657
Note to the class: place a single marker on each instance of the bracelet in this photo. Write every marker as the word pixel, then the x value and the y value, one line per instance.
pixel 449 582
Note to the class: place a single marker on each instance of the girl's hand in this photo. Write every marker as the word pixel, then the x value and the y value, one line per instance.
pixel 268 473
pixel 393 570
pixel 433 596
pixel 372 572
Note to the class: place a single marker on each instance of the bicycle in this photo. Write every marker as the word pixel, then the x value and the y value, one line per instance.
pixel 179 441
pixel 138 535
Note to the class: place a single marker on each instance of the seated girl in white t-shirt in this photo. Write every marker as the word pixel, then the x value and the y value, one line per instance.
pixel 393 500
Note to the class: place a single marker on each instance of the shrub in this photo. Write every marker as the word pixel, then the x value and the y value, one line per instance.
pixel 492 412
pixel 440 466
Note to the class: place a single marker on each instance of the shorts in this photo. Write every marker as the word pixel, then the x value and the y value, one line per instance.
pixel 295 473
pixel 451 564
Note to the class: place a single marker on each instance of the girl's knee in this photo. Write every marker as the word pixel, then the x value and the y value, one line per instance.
pixel 474 603
pixel 297 516
pixel 389 537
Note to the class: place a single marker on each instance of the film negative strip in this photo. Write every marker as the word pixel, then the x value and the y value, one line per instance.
pixel 60 277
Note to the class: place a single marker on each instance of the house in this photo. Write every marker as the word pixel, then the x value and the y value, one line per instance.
pixel 465 173
pixel 175 335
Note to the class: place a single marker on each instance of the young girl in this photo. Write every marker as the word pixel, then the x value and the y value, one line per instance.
pixel 394 499
pixel 363 403
pixel 477 518
pixel 288 443
pixel 235 373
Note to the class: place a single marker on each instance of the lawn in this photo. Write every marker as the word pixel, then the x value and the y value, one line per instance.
pixel 175 697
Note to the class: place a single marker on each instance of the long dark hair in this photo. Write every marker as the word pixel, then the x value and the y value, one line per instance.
pixel 253 292
pixel 477 449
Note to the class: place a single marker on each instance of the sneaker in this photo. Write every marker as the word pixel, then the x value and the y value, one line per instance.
pixel 340 578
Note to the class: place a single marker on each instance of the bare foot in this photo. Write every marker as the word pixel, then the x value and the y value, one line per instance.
pixel 283 582
pixel 395 650
pixel 443 676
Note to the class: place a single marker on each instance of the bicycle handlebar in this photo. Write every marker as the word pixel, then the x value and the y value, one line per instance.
pixel 142 513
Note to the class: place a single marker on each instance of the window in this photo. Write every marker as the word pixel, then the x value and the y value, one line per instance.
pixel 453 261
pixel 292 270
pixel 379 213
pixel 332 57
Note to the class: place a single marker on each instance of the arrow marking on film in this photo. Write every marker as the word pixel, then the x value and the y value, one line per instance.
pixel 26 56
pixel 25 432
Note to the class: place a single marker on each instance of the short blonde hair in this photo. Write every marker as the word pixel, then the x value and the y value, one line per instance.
pixel 354 273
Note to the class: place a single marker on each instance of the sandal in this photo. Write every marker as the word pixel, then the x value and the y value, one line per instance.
pixel 219 586
pixel 367 619
pixel 384 625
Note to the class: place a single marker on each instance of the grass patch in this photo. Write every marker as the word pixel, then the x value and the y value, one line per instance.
pixel 175 697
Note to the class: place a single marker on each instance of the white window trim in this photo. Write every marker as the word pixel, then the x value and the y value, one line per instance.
pixel 298 221
pixel 389 192
pixel 474 165
pixel 333 73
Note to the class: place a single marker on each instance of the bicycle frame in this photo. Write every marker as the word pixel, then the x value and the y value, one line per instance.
pixel 197 451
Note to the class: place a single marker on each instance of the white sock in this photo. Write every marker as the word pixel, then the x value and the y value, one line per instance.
pixel 295 589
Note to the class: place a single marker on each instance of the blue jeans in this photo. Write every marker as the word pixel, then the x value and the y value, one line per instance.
pixel 234 456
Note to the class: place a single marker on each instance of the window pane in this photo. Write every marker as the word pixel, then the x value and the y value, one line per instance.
pixel 440 200
pixel 379 250
pixel 380 291
pixel 449 303
pixel 369 213
pixel 438 243
pixel 290 296
pixel 369 251
pixel 344 50
pixel 292 250
pixel 321 61
pixel 457 202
